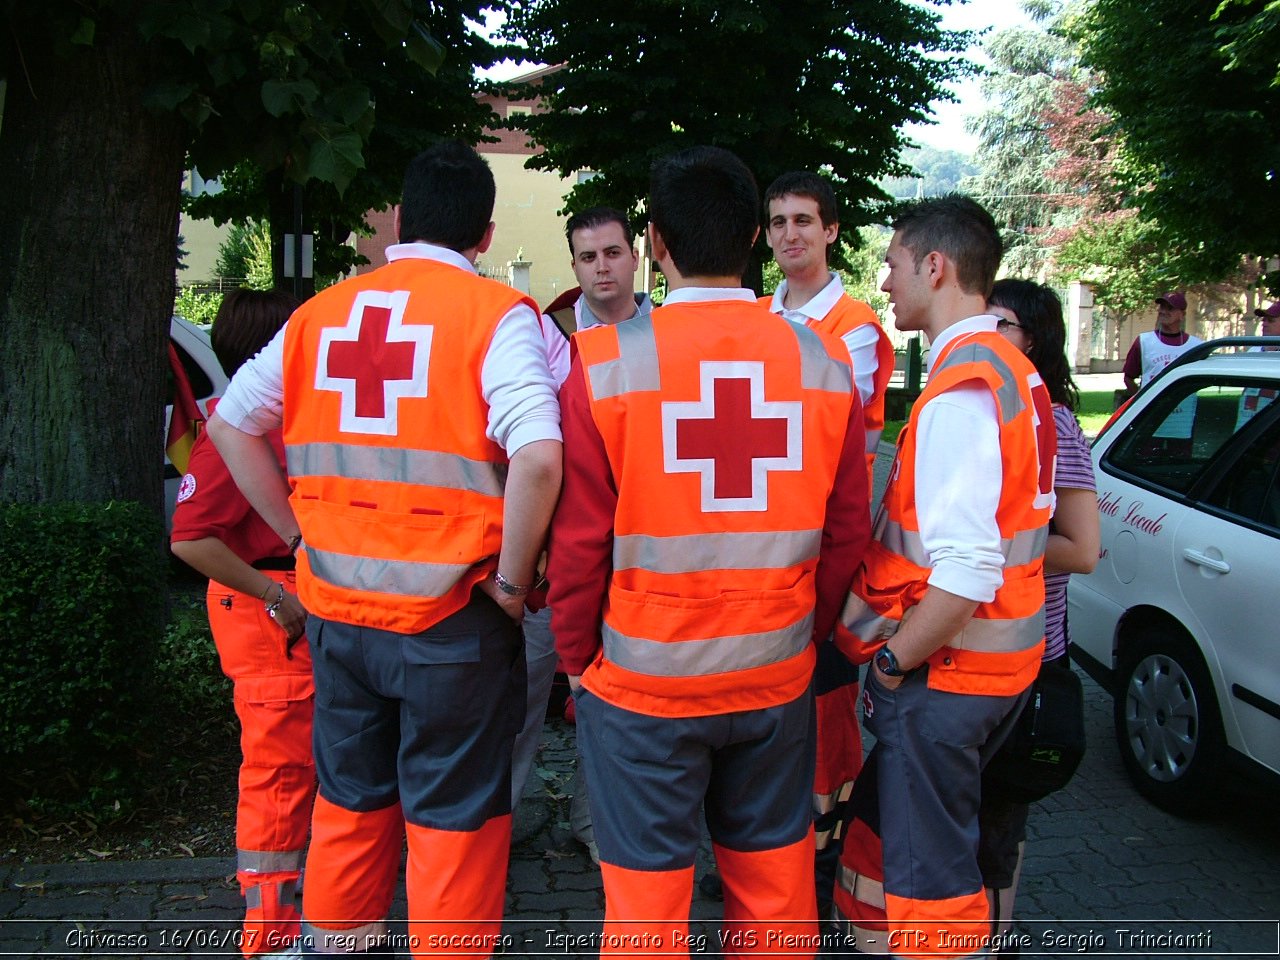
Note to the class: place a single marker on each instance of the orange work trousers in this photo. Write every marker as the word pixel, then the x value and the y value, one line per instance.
pixel 274 697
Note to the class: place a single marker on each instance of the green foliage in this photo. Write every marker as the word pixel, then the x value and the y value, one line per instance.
pixel 79 626
pixel 197 307
pixel 1123 257
pixel 190 681
pixel 803 85
pixel 862 268
pixel 1191 86
pixel 301 109
pixel 245 255
pixel 1014 155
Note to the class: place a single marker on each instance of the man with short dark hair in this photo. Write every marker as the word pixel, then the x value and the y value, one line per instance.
pixel 949 602
pixel 602 246
pixel 604 262
pixel 715 504
pixel 422 442
pixel 801 226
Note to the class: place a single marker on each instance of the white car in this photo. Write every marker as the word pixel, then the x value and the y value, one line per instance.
pixel 207 381
pixel 1181 618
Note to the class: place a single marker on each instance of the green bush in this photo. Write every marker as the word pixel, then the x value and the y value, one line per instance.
pixel 197 307
pixel 190 681
pixel 82 608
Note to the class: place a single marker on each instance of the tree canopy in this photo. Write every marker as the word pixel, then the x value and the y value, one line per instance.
pixel 1014 153
pixel 344 130
pixel 1193 89
pixel 105 102
pixel 802 85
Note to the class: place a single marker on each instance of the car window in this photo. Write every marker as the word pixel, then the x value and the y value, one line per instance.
pixel 1172 441
pixel 1250 489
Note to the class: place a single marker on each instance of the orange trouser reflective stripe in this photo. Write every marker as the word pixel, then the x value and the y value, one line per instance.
pixel 859 889
pixel 646 911
pixel 352 867
pixel 271 918
pixel 770 906
pixel 455 883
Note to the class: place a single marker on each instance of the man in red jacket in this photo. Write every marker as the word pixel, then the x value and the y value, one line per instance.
pixel 715 505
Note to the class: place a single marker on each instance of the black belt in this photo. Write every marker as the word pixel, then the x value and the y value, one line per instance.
pixel 273 563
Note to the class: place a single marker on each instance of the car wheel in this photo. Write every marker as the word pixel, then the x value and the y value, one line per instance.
pixel 1168 725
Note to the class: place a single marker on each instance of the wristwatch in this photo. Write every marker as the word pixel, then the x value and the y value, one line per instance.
pixel 888 663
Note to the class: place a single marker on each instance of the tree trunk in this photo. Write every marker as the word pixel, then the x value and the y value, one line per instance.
pixel 88 234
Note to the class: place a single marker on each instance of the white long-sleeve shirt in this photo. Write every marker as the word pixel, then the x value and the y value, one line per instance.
pixel 959 477
pixel 515 378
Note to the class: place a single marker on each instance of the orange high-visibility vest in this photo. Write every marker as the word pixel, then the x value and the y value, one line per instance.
pixel 724 426
pixel 397 490
pixel 846 316
pixel 998 652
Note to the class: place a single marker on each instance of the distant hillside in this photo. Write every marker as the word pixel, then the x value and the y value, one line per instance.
pixel 939 171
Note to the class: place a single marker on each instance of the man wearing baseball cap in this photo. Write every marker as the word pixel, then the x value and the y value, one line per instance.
pixel 1156 349
pixel 1270 317
pixel 1253 400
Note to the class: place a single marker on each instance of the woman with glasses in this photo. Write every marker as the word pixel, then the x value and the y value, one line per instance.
pixel 1030 316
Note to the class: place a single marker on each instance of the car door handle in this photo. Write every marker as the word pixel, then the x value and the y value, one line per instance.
pixel 1195 556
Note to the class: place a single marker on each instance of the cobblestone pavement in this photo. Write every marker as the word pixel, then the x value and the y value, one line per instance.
pixel 1106 874
pixel 1100 860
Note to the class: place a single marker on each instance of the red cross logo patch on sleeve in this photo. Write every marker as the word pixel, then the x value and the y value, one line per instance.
pixel 374 361
pixel 732 436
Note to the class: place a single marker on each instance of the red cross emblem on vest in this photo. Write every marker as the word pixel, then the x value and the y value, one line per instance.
pixel 732 436
pixel 374 361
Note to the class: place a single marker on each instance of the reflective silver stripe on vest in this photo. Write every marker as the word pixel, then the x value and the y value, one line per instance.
pixel 636 367
pixel 268 861
pixel 1022 547
pixel 707 551
pixel 402 578
pixel 1000 636
pixel 427 467
pixel 1008 394
pixel 324 940
pixel 700 658
pixel 979 634
pixel 864 623
pixel 818 370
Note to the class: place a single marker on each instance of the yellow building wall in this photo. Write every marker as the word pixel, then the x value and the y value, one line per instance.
pixel 527 220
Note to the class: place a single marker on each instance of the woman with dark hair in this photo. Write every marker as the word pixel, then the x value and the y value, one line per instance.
pixel 1031 319
pixel 257 624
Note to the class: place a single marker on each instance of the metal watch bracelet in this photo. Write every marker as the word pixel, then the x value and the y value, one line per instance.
pixel 507 587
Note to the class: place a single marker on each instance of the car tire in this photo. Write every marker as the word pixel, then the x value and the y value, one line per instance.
pixel 1167 724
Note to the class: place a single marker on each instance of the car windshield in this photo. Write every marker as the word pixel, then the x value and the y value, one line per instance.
pixel 1172 441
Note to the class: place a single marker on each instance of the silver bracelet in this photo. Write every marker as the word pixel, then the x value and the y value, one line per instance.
pixel 274 606
pixel 507 587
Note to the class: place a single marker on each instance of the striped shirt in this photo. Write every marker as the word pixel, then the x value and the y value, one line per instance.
pixel 1074 472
